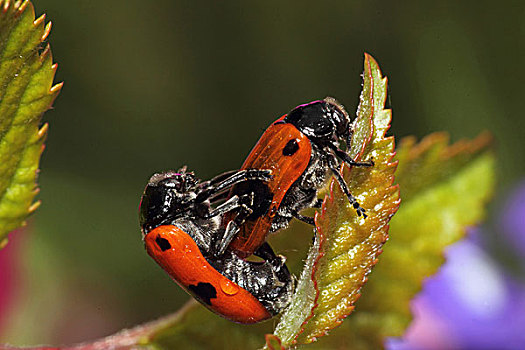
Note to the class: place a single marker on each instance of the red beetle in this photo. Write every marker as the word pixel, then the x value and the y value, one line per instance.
pixel 236 297
pixel 300 148
pixel 181 232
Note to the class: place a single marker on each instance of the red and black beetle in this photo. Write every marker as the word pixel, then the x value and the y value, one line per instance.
pixel 300 148
pixel 181 230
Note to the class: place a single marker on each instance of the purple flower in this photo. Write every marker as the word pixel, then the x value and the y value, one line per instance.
pixel 471 303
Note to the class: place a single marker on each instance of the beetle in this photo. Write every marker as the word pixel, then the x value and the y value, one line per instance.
pixel 178 195
pixel 236 289
pixel 300 148
pixel 180 229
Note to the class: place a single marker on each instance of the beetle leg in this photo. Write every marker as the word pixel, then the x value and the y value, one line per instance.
pixel 318 203
pixel 219 183
pixel 347 159
pixel 218 197
pixel 349 138
pixel 306 219
pixel 243 203
pixel 266 252
pixel 277 262
pixel 217 179
pixel 360 211
pixel 229 205
pixel 231 230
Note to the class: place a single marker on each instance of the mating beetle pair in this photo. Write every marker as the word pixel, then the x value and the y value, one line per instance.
pixel 200 232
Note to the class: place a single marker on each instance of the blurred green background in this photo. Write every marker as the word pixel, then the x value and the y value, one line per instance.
pixel 152 86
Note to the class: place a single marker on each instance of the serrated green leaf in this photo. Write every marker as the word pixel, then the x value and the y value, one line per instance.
pixel 447 187
pixel 417 168
pixel 347 245
pixel 26 92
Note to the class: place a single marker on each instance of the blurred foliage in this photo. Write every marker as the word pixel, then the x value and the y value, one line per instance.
pixel 154 86
pixel 184 330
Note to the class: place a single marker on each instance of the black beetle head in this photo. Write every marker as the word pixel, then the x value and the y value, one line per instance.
pixel 167 196
pixel 339 116
pixel 323 121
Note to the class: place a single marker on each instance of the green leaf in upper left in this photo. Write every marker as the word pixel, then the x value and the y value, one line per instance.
pixel 26 92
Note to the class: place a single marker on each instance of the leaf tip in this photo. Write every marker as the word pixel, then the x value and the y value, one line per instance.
pixel 35 205
pixel 483 140
pixel 47 30
pixel 370 60
pixel 23 5
pixel 57 87
pixel 43 130
pixel 39 20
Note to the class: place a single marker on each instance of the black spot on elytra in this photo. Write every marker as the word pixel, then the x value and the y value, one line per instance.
pixel 163 243
pixel 205 291
pixel 291 147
